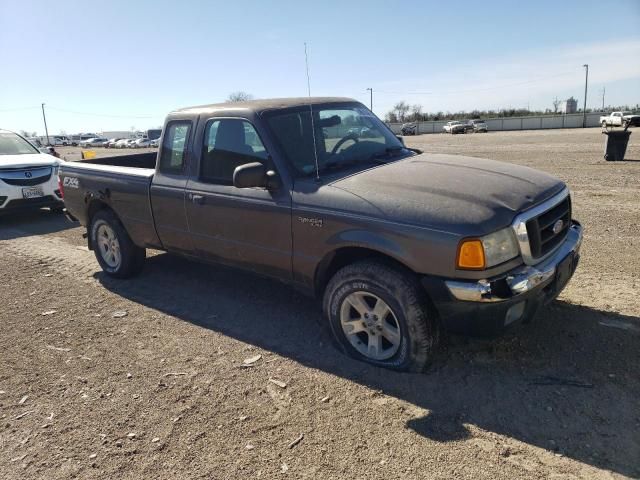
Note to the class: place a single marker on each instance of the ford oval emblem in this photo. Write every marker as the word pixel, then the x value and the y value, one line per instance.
pixel 28 174
pixel 557 227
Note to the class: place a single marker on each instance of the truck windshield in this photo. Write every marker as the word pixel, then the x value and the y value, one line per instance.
pixel 345 136
pixel 12 144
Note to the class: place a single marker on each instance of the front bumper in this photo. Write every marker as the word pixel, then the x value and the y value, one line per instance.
pixel 486 307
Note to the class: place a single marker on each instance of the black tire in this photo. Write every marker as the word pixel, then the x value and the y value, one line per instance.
pixel 131 256
pixel 419 331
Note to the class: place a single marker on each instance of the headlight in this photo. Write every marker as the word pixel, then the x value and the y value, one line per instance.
pixel 487 251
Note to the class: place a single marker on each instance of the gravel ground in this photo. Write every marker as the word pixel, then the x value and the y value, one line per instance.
pixel 145 378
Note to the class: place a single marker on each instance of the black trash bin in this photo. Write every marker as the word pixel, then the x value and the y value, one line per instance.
pixel 616 145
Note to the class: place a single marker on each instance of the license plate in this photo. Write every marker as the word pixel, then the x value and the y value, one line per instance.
pixel 32 192
pixel 564 271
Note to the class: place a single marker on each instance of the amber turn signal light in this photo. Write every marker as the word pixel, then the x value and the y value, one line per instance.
pixel 471 255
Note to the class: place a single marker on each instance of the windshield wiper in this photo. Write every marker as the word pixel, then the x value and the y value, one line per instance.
pixel 377 158
pixel 387 152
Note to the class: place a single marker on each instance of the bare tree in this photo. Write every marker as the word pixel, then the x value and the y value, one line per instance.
pixel 401 109
pixel 556 104
pixel 391 117
pixel 239 97
pixel 416 113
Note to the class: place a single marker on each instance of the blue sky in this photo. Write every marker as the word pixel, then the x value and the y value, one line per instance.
pixel 123 64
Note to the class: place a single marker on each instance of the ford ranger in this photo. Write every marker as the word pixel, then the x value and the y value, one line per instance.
pixel 397 244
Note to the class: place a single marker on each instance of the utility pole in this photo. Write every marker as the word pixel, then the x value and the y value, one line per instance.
pixel 584 110
pixel 46 130
pixel 603 91
pixel 370 98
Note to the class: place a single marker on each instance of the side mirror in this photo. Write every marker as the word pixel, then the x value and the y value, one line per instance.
pixel 251 175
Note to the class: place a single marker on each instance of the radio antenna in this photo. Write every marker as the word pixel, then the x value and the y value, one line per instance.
pixel 313 126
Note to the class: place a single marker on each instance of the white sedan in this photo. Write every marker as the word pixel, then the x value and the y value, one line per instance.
pixel 454 127
pixel 141 143
pixel 28 177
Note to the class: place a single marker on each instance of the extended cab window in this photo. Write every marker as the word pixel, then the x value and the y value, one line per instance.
pixel 174 145
pixel 229 143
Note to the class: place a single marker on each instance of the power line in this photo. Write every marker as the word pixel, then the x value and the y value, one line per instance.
pixel 91 114
pixel 18 108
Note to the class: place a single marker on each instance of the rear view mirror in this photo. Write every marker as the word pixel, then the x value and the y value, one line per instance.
pixel 330 121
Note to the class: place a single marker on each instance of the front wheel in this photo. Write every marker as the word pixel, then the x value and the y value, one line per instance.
pixel 378 314
pixel 115 251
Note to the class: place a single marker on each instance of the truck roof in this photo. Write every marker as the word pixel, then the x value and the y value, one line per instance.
pixel 264 104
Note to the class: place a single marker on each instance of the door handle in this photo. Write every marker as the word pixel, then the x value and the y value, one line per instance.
pixel 199 199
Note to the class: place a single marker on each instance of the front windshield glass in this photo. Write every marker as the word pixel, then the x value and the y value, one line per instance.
pixel 345 135
pixel 12 144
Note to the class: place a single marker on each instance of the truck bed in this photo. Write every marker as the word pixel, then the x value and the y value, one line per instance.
pixel 135 160
pixel 121 183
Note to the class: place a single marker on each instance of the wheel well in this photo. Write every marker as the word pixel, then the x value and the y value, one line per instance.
pixel 94 207
pixel 342 257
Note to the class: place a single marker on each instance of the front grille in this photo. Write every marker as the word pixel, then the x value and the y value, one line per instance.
pixel 542 238
pixel 26 177
pixel 26 182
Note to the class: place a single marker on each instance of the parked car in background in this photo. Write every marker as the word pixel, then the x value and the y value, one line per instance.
pixel 455 127
pixel 617 119
pixel 478 126
pixel 154 143
pixel 28 177
pixel 112 143
pixel 122 143
pixel 93 142
pixel 142 143
pixel 77 139
pixel 409 129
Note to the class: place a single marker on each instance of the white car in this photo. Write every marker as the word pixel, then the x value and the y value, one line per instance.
pixel 142 143
pixel 455 127
pixel 617 119
pixel 93 142
pixel 28 178
pixel 123 143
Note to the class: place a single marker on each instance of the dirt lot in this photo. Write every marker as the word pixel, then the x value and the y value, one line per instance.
pixel 143 378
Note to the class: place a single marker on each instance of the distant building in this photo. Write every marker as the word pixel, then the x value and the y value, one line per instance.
pixel 570 105
pixel 120 134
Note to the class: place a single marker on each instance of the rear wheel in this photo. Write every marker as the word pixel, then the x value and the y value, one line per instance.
pixel 379 314
pixel 115 251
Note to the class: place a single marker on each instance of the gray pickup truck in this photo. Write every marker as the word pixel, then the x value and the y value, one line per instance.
pixel 319 193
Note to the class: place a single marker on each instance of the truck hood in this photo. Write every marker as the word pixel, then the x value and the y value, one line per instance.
pixel 28 160
pixel 462 195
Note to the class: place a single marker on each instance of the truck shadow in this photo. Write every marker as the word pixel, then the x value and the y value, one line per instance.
pixel 36 222
pixel 566 383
